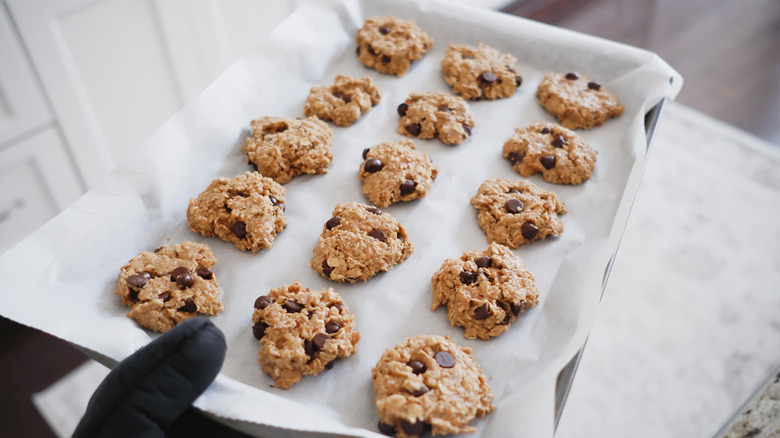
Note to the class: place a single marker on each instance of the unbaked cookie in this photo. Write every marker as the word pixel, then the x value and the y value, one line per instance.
pixel 358 242
pixel 395 171
pixel 171 284
pixel 484 290
pixel 429 384
pixel 514 213
pixel 576 101
pixel 344 102
pixel 282 148
pixel 428 115
pixel 302 332
pixel 389 45
pixel 481 73
pixel 247 210
pixel 558 153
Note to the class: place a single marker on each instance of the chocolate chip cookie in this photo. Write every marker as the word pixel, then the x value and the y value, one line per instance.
pixel 171 284
pixel 358 242
pixel 282 148
pixel 560 155
pixel 514 213
pixel 428 115
pixel 247 210
pixel 429 384
pixel 480 73
pixel 302 332
pixel 395 171
pixel 344 102
pixel 576 101
pixel 390 45
pixel 484 290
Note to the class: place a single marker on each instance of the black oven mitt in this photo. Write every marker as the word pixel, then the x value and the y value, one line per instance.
pixel 150 393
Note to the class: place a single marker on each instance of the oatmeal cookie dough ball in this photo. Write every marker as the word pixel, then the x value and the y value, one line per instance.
pixel 394 171
pixel 302 332
pixel 428 115
pixel 480 73
pixel 247 211
pixel 344 102
pixel 429 384
pixel 390 45
pixel 577 101
pixel 169 285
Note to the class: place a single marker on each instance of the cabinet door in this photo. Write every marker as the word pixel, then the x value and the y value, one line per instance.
pixel 22 108
pixel 115 70
pixel 37 183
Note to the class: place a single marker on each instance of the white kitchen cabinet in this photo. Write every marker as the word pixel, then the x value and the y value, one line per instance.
pixel 37 181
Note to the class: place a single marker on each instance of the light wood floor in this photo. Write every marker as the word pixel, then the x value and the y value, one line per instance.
pixel 728 51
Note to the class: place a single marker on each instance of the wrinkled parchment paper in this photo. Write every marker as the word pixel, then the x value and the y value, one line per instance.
pixel 61 280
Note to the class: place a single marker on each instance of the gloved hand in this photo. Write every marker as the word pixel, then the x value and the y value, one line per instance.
pixel 150 393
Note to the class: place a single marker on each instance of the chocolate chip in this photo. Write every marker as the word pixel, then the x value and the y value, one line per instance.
pixel 320 339
pixel 308 347
pixel 517 308
pixel 386 429
pixel 402 108
pixel 420 391
pixel 511 68
pixel 373 165
pixel 518 81
pixel 185 280
pixel 467 130
pixel 189 307
pixel 514 206
pixel 343 97
pixel 514 190
pixel 559 141
pixel 136 281
pixel 484 262
pixel 339 306
pixel 487 77
pixel 468 277
pixel 572 76
pixel 179 271
pixel 529 230
pixel 332 327
pixel 385 59
pixel 274 201
pixel 413 428
pixel 326 269
pixel 330 364
pixel 408 187
pixel 482 312
pixel 444 359
pixel 416 366
pixel 145 274
pixel 545 130
pixel 516 157
pixel 548 161
pixel 374 210
pixel 158 249
pixel 384 30
pixel 371 50
pixel 292 306
pixel 414 129
pixel 365 152
pixel 239 229
pixel 357 50
pixel 378 235
pixel 333 222
pixel 594 86
pixel 444 109
pixel 165 296
pixel 204 273
pixel 263 301
pixel 259 330
pixel 133 295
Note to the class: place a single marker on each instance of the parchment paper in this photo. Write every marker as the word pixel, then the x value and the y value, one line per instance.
pixel 61 280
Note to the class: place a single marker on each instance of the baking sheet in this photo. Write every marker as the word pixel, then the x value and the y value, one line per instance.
pixel 61 279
